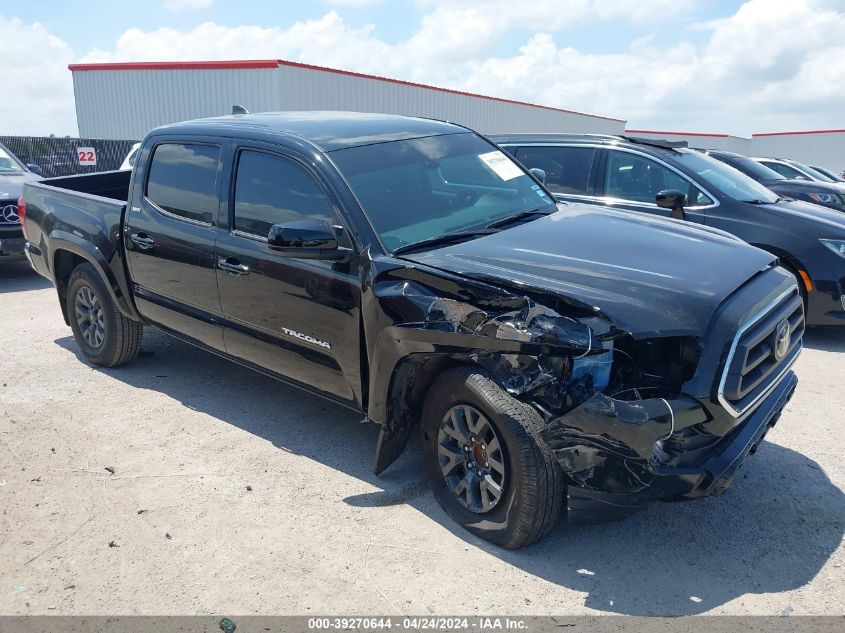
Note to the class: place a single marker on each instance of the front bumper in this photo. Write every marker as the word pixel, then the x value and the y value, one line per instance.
pixel 826 308
pixel 612 479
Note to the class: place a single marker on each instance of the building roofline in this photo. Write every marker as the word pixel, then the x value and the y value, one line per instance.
pixel 275 63
pixel 801 132
pixel 677 133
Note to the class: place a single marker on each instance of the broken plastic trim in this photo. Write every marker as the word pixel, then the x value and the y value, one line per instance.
pixel 609 444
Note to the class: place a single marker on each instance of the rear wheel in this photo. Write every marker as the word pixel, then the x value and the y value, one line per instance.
pixel 103 334
pixel 489 469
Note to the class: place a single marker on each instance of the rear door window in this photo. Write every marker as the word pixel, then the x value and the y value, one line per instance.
pixel 183 180
pixel 567 168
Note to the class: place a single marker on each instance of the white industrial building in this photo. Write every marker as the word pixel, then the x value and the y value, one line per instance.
pixel 126 100
pixel 823 148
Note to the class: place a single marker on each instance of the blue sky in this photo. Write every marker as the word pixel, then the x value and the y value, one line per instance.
pixel 84 24
pixel 735 66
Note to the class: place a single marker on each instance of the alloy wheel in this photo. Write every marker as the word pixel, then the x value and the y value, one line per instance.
pixel 471 458
pixel 90 317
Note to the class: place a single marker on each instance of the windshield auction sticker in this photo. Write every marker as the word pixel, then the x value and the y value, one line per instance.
pixel 504 167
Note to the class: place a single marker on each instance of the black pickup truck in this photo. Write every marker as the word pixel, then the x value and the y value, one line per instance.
pixel 552 355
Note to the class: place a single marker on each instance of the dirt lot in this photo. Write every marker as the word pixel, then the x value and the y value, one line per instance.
pixel 235 494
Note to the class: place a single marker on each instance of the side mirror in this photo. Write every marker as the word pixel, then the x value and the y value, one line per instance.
pixel 306 239
pixel 539 174
pixel 35 169
pixel 672 199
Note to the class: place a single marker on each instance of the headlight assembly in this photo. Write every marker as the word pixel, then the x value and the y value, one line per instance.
pixel 824 198
pixel 837 246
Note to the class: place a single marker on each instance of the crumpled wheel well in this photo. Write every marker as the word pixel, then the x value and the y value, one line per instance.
pixel 411 381
pixel 64 264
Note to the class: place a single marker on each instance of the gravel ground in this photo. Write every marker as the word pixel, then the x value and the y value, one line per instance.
pixel 235 494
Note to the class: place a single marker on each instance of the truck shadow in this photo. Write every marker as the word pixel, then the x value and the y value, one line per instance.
pixel 772 532
pixel 826 339
pixel 17 275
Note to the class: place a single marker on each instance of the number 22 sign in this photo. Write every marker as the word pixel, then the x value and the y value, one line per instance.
pixel 87 155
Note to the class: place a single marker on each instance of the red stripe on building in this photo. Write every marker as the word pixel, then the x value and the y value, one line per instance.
pixel 245 63
pixel 805 132
pixel 676 133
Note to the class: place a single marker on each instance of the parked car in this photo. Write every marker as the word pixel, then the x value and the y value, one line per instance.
pixel 822 193
pixel 793 169
pixel 13 174
pixel 551 356
pixel 829 173
pixel 61 161
pixel 129 161
pixel 668 179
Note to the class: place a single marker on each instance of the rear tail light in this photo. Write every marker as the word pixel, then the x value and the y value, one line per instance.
pixel 22 214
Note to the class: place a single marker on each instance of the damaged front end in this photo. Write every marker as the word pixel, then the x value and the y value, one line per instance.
pixel 630 418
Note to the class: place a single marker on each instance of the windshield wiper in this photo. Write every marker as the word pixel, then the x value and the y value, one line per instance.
pixel 757 201
pixel 516 217
pixel 443 239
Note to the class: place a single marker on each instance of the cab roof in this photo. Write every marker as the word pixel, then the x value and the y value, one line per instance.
pixel 327 131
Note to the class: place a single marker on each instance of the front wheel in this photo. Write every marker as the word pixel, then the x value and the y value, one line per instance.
pixel 489 469
pixel 103 334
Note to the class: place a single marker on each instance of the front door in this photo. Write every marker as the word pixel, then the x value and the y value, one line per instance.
pixel 298 318
pixel 170 233
pixel 632 181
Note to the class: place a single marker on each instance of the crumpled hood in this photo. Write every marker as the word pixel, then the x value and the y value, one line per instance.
pixel 652 276
pixel 11 185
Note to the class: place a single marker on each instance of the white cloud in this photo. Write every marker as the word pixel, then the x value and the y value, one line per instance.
pixel 355 3
pixel 187 5
pixel 38 90
pixel 772 65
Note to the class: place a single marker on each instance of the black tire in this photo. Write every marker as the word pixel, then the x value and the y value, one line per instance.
pixel 116 340
pixel 534 488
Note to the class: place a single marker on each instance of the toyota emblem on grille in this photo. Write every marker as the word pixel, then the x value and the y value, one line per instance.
pixel 783 337
pixel 9 213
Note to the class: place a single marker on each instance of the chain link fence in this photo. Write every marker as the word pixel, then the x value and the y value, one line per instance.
pixel 61 156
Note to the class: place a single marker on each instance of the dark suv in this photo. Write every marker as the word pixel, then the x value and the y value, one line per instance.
pixel 13 173
pixel 669 179
pixel 816 192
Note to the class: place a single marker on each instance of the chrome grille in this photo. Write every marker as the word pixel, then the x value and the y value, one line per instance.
pixel 763 349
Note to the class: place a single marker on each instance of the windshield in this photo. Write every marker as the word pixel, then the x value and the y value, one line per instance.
pixel 725 179
pixel 8 163
pixel 813 172
pixel 429 187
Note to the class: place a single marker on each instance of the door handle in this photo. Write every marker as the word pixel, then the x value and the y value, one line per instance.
pixel 233 266
pixel 142 241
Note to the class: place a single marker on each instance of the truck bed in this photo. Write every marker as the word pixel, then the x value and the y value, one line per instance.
pixel 106 184
pixel 75 218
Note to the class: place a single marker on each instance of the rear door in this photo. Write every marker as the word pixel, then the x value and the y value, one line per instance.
pixel 298 318
pixel 631 180
pixel 170 233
